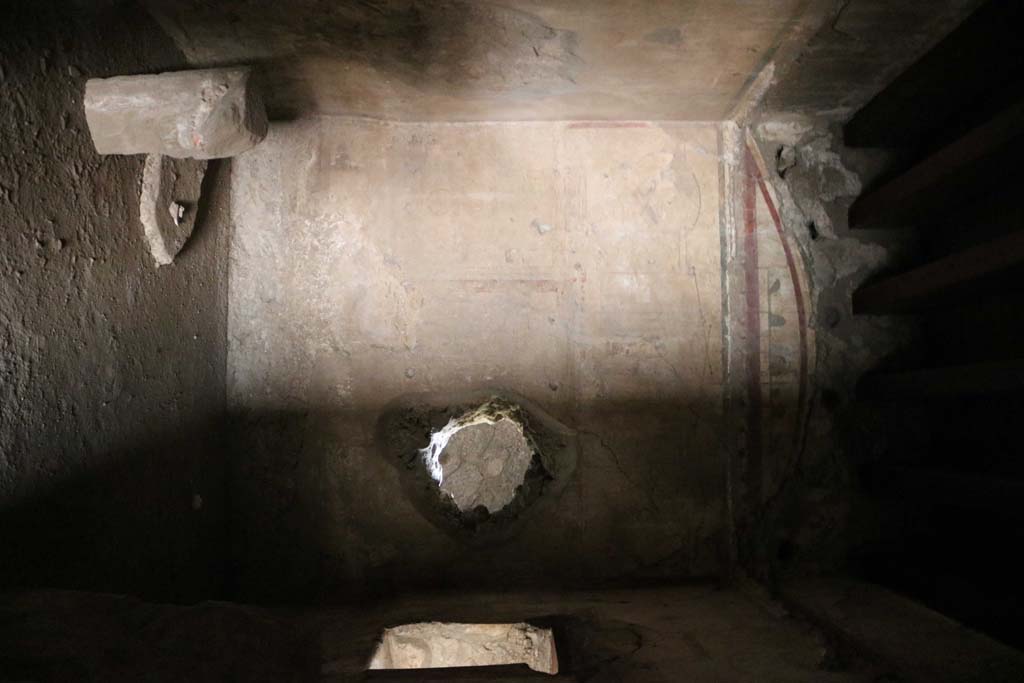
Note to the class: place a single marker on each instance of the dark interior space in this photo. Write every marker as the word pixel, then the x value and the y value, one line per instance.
pixel 659 340
pixel 956 385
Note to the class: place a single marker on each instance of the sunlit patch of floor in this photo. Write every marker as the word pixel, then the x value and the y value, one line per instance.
pixel 435 645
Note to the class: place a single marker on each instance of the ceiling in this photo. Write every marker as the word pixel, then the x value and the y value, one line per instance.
pixel 479 60
pixel 471 60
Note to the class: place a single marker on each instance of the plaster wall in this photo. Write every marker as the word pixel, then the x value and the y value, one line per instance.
pixel 110 369
pixel 576 265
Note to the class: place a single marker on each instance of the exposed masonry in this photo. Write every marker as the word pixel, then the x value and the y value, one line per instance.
pixel 484 464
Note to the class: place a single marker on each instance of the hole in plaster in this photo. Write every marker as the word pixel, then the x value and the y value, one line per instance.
pixel 434 645
pixel 785 159
pixel 812 230
pixel 415 430
pixel 481 458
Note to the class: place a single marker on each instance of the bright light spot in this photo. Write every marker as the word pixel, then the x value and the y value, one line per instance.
pixel 438 440
pixel 435 645
pixel 480 458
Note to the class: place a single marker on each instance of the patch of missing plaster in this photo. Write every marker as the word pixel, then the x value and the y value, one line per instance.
pixel 547 447
pixel 785 159
pixel 817 186
pixel 815 172
pixel 481 457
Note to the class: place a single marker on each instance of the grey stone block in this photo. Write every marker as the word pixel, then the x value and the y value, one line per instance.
pixel 168 204
pixel 202 114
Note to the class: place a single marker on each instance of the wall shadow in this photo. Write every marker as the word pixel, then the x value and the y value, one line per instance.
pixel 321 510
pixel 312 508
pixel 150 520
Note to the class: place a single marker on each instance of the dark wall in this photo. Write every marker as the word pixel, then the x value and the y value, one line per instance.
pixel 944 494
pixel 111 370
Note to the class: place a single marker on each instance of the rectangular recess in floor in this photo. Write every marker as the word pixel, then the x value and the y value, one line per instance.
pixel 437 645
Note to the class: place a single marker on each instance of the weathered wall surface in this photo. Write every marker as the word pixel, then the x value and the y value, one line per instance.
pixel 577 265
pixel 814 517
pixel 110 370
pixel 479 60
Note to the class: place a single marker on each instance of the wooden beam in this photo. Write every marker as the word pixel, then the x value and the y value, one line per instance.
pixel 969 69
pixel 977 162
pixel 948 382
pixel 943 280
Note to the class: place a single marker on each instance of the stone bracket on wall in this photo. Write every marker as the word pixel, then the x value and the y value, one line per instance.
pixel 168 203
pixel 179 120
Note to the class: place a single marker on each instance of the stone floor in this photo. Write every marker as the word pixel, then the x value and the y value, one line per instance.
pixel 695 634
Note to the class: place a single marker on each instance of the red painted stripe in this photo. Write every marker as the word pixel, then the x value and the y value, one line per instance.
pixel 753 322
pixel 801 314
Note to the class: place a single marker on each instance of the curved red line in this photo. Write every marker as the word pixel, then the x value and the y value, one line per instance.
pixel 797 288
